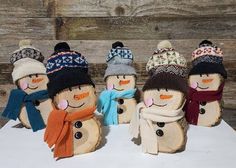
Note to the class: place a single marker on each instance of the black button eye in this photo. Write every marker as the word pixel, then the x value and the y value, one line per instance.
pixel 78 135
pixel 79 87
pixel 30 76
pixel 123 76
pixel 36 75
pixel 200 75
pixel 160 124
pixel 121 101
pixel 166 89
pixel 36 103
pixel 117 76
pixel 70 89
pixel 78 124
pixel 159 132
pixel 207 74
pixel 120 111
pixel 202 111
pixel 158 89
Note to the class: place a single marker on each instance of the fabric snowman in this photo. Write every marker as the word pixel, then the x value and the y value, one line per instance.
pixel 30 101
pixel 72 127
pixel 206 83
pixel 159 120
pixel 118 101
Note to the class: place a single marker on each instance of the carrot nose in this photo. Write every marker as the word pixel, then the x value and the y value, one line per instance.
pixel 81 96
pixel 164 97
pixel 37 80
pixel 124 82
pixel 207 80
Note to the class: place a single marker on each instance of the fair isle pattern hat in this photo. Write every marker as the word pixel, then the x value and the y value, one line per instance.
pixel 27 60
pixel 207 52
pixel 167 69
pixel 65 69
pixel 119 54
pixel 207 59
pixel 166 59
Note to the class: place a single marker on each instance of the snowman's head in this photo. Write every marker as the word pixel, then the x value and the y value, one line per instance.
pixel 76 98
pixel 205 82
pixel 120 82
pixel 33 83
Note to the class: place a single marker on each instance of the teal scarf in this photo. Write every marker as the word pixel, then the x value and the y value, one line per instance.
pixel 17 99
pixel 107 104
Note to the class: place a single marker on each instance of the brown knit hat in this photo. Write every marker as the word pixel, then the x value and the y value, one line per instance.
pixel 167 69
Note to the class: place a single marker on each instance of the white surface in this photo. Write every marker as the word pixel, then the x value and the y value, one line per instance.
pixel 206 148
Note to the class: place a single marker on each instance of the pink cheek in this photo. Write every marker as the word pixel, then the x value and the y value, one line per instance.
pixel 23 85
pixel 148 102
pixel 110 86
pixel 63 104
pixel 194 85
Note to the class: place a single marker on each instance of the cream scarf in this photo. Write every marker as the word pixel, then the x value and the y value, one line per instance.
pixel 142 123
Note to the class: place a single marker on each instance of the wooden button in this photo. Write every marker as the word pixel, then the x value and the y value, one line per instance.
pixel 78 135
pixel 159 132
pixel 160 124
pixel 78 124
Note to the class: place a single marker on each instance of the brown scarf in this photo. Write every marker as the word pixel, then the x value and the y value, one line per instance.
pixel 59 130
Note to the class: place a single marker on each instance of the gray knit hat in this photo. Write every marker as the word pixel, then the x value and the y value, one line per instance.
pixel 119 69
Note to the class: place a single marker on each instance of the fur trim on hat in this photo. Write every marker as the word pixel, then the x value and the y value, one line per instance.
pixel 27 66
pixel 208 68
pixel 166 80
pixel 66 78
pixel 119 69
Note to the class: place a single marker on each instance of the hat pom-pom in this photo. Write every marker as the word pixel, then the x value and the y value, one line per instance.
pixel 117 44
pixel 205 43
pixel 24 43
pixel 62 46
pixel 164 44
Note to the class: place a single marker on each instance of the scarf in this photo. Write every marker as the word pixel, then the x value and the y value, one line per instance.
pixel 107 104
pixel 193 101
pixel 142 123
pixel 59 130
pixel 19 98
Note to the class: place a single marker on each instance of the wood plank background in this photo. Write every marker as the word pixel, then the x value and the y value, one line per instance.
pixel 90 27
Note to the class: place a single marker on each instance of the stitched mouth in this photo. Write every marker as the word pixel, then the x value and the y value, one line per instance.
pixel 201 87
pixel 159 105
pixel 31 88
pixel 118 89
pixel 74 106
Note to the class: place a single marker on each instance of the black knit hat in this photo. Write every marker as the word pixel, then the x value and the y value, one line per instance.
pixel 207 59
pixel 65 69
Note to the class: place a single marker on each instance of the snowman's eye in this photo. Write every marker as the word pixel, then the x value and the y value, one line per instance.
pixel 36 75
pixel 123 76
pixel 79 88
pixel 117 76
pixel 166 89
pixel 200 75
pixel 30 76
pixel 158 89
pixel 207 74
pixel 70 89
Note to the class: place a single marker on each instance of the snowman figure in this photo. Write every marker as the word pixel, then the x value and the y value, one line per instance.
pixel 118 101
pixel 30 101
pixel 206 83
pixel 72 127
pixel 159 120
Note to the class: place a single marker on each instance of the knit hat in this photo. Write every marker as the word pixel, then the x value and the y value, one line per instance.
pixel 119 54
pixel 167 69
pixel 208 58
pixel 65 69
pixel 26 60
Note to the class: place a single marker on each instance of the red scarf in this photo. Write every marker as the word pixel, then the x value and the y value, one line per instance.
pixel 193 101
pixel 59 130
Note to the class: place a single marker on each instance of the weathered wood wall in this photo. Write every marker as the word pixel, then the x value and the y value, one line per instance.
pixel 91 26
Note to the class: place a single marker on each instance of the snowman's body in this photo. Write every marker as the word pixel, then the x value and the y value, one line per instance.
pixel 209 112
pixel 171 136
pixel 30 84
pixel 126 107
pixel 87 132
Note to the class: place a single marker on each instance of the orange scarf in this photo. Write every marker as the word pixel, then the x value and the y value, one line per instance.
pixel 59 130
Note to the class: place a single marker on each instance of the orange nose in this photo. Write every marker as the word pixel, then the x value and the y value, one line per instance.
pixel 37 80
pixel 124 82
pixel 81 96
pixel 207 80
pixel 164 97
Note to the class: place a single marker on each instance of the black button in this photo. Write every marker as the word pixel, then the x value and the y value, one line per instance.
pixel 160 124
pixel 36 103
pixel 202 111
pixel 78 124
pixel 120 111
pixel 203 103
pixel 78 135
pixel 121 101
pixel 159 132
